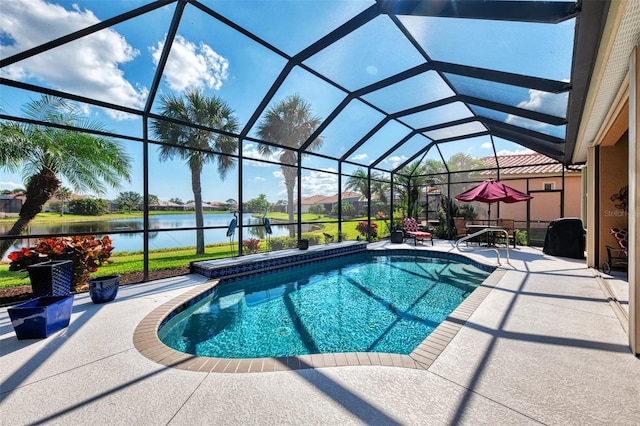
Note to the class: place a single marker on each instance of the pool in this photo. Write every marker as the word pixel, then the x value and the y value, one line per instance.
pixel 367 301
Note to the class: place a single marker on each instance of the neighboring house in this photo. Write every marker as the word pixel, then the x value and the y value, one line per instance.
pixel 167 205
pixel 10 205
pixel 192 206
pixel 54 201
pixel 329 201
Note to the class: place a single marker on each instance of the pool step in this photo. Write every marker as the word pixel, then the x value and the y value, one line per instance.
pixel 229 267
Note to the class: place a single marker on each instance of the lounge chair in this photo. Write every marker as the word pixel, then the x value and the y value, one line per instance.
pixel 412 230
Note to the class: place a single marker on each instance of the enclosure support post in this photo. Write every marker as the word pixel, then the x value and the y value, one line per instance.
pixel 634 202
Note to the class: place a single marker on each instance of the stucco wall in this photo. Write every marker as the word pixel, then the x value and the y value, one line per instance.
pixel 545 206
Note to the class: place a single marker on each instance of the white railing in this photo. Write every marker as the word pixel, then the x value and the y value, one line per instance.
pixel 488 229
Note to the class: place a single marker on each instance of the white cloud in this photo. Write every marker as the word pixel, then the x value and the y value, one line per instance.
pixel 359 157
pixel 317 183
pixel 89 66
pixel 251 151
pixel 550 103
pixel 259 179
pixel 10 185
pixel 190 66
pixel 395 160
pixel 486 145
pixel 314 183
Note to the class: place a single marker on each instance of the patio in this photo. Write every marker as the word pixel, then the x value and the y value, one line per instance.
pixel 545 346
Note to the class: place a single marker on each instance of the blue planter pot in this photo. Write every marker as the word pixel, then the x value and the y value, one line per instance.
pixel 41 317
pixel 104 289
pixel 52 278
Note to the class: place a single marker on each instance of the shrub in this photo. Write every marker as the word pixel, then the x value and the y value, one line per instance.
pixel 317 209
pixel 348 209
pixel 252 245
pixel 281 243
pixel 89 207
pixel 364 229
pixel 314 239
pixel 521 237
pixel 86 252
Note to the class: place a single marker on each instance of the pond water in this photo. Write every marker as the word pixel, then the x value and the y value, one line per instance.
pixel 252 228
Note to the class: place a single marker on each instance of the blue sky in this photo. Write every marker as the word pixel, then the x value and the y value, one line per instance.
pixel 117 65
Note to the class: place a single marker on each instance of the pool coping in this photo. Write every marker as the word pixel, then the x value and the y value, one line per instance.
pixel 147 342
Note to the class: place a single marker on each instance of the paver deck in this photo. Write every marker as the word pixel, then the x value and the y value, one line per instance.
pixel 544 346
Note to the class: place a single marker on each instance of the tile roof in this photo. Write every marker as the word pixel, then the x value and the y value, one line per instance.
pixel 324 199
pixel 523 164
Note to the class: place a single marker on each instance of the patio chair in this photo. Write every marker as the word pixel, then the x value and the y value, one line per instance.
pixel 509 226
pixel 617 257
pixel 460 224
pixel 460 228
pixel 412 230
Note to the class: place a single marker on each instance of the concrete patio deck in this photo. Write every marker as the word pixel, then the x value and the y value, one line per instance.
pixel 546 346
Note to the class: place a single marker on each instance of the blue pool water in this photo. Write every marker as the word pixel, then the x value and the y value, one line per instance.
pixel 364 302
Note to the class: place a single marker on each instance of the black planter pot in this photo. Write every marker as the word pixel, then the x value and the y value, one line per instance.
pixel 104 289
pixel 303 244
pixel 52 278
pixel 397 237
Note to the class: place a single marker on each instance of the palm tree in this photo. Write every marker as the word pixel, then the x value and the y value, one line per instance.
pixel 196 146
pixel 379 187
pixel 465 165
pixel 289 123
pixel 63 194
pixel 358 183
pixel 153 200
pixel 46 154
pixel 411 178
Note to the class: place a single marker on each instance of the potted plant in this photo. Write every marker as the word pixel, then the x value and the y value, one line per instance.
pixel 86 253
pixel 104 289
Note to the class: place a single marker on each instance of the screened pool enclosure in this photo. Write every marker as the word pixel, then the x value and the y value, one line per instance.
pixel 318 115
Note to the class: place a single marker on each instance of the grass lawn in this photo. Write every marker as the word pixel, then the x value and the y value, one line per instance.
pixel 132 262
pixel 161 259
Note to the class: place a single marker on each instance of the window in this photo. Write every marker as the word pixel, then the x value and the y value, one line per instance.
pixel 549 186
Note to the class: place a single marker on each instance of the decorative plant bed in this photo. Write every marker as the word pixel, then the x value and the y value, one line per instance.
pixel 41 317
pixel 104 289
pixel 52 278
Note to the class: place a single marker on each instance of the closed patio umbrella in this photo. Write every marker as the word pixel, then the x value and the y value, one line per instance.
pixel 490 192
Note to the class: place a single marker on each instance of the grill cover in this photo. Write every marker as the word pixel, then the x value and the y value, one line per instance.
pixel 565 238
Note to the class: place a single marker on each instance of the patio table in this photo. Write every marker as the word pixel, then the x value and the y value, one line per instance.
pixel 489 237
